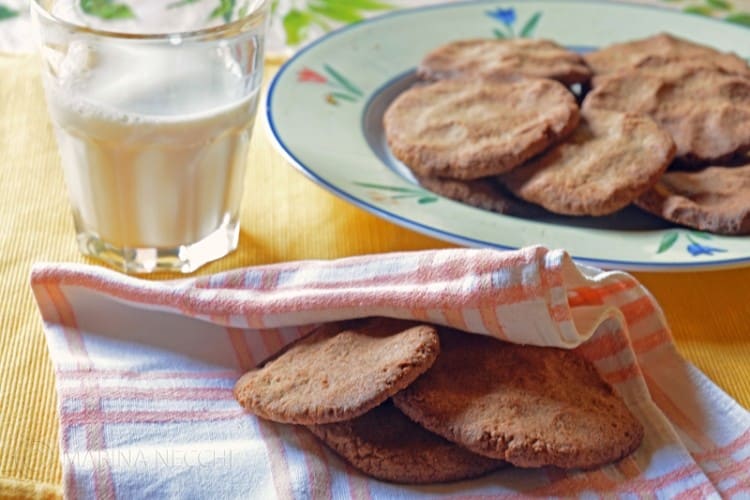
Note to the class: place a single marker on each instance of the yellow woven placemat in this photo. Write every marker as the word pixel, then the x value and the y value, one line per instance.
pixel 284 217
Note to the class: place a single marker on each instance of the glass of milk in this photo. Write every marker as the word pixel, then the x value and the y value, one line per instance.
pixel 153 103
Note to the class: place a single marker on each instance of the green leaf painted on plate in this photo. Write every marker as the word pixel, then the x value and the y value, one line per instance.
pixel 530 26
pixel 295 24
pixel 7 12
pixel 427 199
pixel 742 18
pixel 107 9
pixel 700 10
pixel 342 80
pixel 388 188
pixel 667 241
pixel 499 34
pixel 719 4
pixel 343 96
pixel 701 235
pixel 223 10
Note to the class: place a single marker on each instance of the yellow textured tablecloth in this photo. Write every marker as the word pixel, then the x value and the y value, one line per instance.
pixel 284 217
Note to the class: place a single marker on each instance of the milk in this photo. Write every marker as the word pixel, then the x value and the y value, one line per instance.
pixel 153 139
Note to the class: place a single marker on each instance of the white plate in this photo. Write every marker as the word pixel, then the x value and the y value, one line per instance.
pixel 325 105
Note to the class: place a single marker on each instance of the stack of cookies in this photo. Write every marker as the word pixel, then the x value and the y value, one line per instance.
pixel 663 123
pixel 416 403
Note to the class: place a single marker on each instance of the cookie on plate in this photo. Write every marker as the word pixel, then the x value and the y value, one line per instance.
pixel 471 129
pixel 610 160
pixel 715 199
pixel 339 371
pixel 493 59
pixel 622 56
pixel 706 111
pixel 486 194
pixel 530 406
pixel 385 444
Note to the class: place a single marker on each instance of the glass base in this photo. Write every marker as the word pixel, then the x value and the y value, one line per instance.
pixel 183 259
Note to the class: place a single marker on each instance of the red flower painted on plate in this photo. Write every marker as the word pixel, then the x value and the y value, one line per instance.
pixel 308 75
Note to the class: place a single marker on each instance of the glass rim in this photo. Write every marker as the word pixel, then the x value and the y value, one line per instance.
pixel 213 32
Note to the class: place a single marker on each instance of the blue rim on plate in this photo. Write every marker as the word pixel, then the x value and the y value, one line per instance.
pixel 698 248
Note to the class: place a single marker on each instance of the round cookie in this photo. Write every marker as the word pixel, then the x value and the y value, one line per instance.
pixel 486 194
pixel 339 371
pixel 385 444
pixel 630 54
pixel 493 59
pixel 715 199
pixel 707 111
pixel 610 160
pixel 530 406
pixel 471 129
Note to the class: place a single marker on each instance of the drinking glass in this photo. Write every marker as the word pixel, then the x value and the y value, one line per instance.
pixel 153 104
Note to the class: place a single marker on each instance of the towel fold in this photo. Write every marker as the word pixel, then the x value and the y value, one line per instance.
pixel 145 372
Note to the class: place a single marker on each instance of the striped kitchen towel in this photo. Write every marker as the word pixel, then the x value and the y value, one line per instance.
pixel 145 373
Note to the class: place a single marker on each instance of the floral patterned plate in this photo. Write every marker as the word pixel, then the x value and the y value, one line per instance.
pixel 324 111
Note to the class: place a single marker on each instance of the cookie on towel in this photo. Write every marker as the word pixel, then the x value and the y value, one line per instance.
pixel 610 160
pixel 486 194
pixel 493 58
pixel 385 444
pixel 471 129
pixel 531 406
pixel 707 111
pixel 339 371
pixel 622 56
pixel 715 199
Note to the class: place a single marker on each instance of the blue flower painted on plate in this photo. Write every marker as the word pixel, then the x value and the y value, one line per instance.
pixel 697 249
pixel 507 17
pixel 694 248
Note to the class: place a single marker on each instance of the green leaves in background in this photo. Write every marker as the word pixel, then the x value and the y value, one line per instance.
pixel 295 24
pixel 181 3
pixel 7 12
pixel 739 18
pixel 224 10
pixel 720 9
pixel 719 4
pixel 322 12
pixel 701 10
pixel 106 9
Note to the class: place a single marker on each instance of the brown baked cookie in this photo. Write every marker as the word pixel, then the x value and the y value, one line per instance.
pixel 339 371
pixel 610 160
pixel 493 58
pixel 715 199
pixel 386 445
pixel 530 406
pixel 706 111
pixel 660 65
pixel 471 129
pixel 486 194
pixel 628 55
